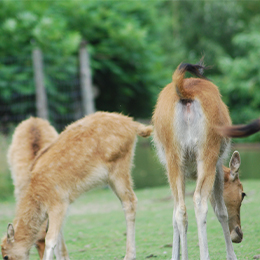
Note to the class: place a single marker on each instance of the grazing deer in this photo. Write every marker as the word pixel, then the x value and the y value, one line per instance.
pixel 184 119
pixel 233 196
pixel 95 150
pixel 240 130
pixel 29 137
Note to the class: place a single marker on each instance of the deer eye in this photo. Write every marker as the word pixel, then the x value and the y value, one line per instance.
pixel 243 195
pixel 6 257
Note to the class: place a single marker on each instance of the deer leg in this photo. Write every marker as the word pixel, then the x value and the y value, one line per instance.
pixel 176 238
pixel 56 216
pixel 40 246
pixel 40 243
pixel 180 218
pixel 60 250
pixel 206 170
pixel 122 186
pixel 220 209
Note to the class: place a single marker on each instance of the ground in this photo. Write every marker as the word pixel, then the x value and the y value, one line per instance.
pixel 95 225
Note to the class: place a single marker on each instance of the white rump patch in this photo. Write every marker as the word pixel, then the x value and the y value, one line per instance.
pixel 189 124
pixel 189 127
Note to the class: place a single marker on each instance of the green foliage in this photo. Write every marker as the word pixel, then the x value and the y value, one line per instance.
pixel 126 55
pixel 134 47
pixel 242 76
pixel 206 28
pixel 123 40
pixel 228 35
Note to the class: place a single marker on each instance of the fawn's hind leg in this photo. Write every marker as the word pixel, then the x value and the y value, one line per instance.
pixel 60 250
pixel 121 183
pixel 56 216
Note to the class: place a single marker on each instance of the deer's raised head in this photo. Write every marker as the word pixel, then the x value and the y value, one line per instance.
pixel 233 197
pixel 10 249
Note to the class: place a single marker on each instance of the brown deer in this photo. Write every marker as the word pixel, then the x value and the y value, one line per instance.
pixel 95 150
pixel 29 137
pixel 188 144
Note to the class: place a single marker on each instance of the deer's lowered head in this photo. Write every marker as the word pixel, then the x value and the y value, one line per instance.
pixel 233 197
pixel 12 250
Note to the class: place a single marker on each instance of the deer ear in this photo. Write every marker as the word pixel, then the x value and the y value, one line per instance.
pixel 10 233
pixel 234 164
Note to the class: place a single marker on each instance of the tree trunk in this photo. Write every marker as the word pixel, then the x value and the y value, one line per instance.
pixel 41 98
pixel 85 80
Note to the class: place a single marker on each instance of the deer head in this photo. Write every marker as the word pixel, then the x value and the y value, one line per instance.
pixel 233 197
pixel 10 249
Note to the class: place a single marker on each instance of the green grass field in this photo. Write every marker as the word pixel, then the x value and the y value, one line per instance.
pixel 95 225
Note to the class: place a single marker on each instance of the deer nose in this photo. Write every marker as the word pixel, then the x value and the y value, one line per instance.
pixel 237 235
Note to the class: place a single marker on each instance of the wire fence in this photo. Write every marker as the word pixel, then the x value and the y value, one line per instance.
pixel 18 95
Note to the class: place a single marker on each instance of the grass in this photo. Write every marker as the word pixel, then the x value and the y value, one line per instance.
pixel 95 225
pixel 6 184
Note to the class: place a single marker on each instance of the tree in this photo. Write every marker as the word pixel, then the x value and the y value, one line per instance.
pixel 242 81
pixel 124 41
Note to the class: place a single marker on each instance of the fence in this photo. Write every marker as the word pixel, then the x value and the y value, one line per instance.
pixel 37 86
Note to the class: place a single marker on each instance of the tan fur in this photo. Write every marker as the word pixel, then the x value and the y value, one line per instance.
pixel 97 149
pixel 29 137
pixel 184 119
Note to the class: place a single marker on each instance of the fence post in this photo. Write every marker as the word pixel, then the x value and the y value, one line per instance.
pixel 41 98
pixel 85 80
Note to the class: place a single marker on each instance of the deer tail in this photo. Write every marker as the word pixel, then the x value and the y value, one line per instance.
pixel 143 130
pixel 178 77
pixel 240 130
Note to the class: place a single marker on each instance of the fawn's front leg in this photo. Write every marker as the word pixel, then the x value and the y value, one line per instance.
pixel 56 216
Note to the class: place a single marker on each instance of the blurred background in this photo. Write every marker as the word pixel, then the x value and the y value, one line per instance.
pixel 63 59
